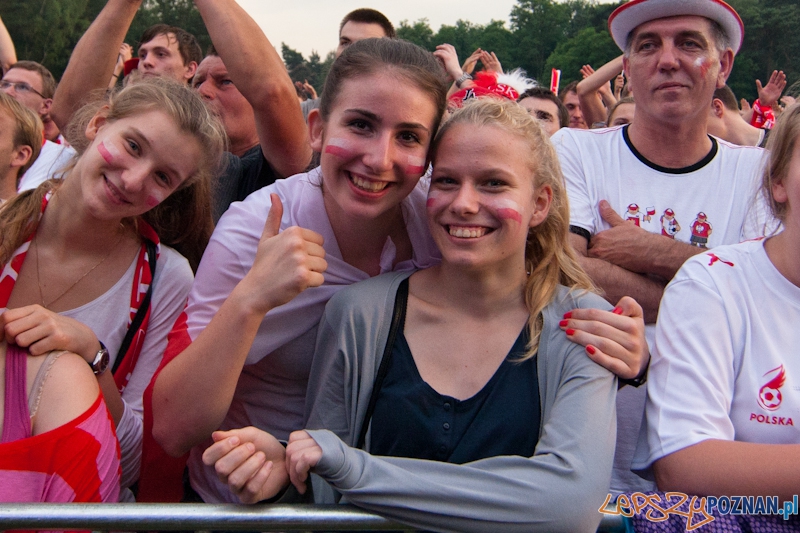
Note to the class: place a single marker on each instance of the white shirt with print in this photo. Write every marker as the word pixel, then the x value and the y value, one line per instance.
pixel 724 365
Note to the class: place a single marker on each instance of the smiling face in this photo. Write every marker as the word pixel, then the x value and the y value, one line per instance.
pixel 133 164
pixel 674 67
pixel 215 86
pixel 161 56
pixel 483 199
pixel 373 144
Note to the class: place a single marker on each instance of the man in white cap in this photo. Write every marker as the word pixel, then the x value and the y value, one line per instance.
pixel 676 53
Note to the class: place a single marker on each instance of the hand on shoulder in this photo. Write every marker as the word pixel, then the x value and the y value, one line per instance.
pixel 614 339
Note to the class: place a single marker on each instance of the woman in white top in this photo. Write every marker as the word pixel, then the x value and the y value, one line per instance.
pixel 76 253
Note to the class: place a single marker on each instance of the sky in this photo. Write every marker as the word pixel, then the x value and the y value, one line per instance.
pixel 307 25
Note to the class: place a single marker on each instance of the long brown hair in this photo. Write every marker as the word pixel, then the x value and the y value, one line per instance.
pixel 183 220
pixel 394 56
pixel 549 258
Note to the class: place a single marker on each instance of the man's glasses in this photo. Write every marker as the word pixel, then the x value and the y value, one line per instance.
pixel 19 86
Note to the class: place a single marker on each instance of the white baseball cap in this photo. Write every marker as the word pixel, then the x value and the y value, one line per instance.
pixel 630 15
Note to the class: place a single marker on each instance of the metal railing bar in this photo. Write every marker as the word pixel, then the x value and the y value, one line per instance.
pixel 205 517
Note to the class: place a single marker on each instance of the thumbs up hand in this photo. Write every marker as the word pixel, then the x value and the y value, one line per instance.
pixel 286 263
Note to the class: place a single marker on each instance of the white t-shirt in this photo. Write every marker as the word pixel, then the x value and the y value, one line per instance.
pixel 718 193
pixel 723 366
pixel 271 390
pixel 707 204
pixel 107 316
pixel 53 158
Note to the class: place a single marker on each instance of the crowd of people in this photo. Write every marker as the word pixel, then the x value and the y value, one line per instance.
pixel 444 294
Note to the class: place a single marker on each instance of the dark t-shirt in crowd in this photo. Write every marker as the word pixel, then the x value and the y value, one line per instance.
pixel 242 176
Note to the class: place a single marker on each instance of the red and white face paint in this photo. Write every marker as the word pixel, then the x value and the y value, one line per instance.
pixel 506 209
pixel 373 145
pixel 339 147
pixel 133 164
pixel 416 165
pixel 482 200
pixel 109 153
pixel 704 64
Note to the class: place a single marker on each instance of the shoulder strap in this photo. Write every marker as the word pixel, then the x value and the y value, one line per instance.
pixel 141 312
pixel 398 320
pixel 38 382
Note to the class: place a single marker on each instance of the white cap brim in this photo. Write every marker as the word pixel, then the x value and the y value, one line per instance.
pixel 629 16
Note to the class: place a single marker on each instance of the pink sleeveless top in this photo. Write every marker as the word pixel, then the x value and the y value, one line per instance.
pixel 75 462
pixel 16 418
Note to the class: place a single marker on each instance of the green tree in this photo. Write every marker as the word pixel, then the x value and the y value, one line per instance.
pixel 47 30
pixel 538 27
pixel 313 70
pixel 589 46
pixel 180 13
pixel 419 33
pixel 769 44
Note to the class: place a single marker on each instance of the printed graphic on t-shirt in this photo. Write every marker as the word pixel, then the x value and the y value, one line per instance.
pixel 769 395
pixel 701 231
pixel 635 214
pixel 770 399
pixel 717 259
pixel 669 224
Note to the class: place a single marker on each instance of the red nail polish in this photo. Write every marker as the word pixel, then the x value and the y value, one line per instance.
pixel 617 310
pixel 563 323
pixel 590 349
pixel 570 332
pixel 568 314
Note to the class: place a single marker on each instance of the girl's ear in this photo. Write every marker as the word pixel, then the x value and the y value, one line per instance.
pixel 22 154
pixel 316 127
pixel 98 121
pixel 543 197
pixel 779 192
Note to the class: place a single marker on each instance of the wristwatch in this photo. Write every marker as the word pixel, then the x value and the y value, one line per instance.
pixel 461 79
pixel 100 363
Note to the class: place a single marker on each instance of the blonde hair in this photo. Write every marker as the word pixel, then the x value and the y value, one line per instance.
pixel 780 148
pixel 28 128
pixel 183 220
pixel 549 258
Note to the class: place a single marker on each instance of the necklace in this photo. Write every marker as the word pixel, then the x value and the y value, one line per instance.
pixel 57 298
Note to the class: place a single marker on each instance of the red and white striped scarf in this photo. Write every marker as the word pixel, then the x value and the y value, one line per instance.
pixel 142 278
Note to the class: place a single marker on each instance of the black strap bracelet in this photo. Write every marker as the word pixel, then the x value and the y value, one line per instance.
pixel 577 230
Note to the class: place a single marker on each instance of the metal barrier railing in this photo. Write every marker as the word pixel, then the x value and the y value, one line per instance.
pixel 205 517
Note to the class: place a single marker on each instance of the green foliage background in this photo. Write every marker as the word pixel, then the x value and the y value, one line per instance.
pixel 539 35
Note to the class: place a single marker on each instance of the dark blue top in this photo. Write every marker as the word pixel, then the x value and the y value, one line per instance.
pixel 412 420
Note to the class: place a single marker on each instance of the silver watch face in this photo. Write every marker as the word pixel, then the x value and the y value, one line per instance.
pixel 100 363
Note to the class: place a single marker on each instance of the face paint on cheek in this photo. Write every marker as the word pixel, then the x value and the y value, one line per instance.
pixel 703 64
pixel 339 147
pixel 153 201
pixel 433 197
pixel 416 165
pixel 108 153
pixel 506 209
